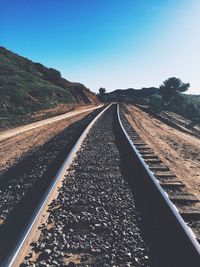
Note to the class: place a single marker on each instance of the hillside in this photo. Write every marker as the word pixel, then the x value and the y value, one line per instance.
pixel 131 94
pixel 26 87
pixel 141 95
pixel 186 105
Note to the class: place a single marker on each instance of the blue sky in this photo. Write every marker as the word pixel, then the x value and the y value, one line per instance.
pixel 107 43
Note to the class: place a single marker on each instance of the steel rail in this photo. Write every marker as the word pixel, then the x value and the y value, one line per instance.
pixel 189 235
pixel 13 255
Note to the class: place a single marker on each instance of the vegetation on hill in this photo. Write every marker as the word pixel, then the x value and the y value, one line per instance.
pixel 26 87
pixel 170 89
pixel 168 97
pixel 125 95
pixel 171 98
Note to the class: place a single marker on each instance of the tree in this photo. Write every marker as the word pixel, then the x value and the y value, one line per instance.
pixel 172 87
pixel 102 91
pixel 102 94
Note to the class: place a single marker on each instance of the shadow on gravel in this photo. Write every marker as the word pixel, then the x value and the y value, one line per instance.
pixel 29 179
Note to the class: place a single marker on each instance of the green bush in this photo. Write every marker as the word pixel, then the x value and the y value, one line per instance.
pixel 155 103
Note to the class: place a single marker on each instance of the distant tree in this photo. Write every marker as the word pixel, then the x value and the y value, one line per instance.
pixel 171 87
pixel 102 90
pixel 102 94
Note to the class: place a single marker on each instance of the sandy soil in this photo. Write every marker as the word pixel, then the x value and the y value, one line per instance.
pixel 42 115
pixel 21 129
pixel 179 151
pixel 12 149
pixel 58 110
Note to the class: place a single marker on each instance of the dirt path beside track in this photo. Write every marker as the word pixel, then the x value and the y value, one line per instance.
pixel 178 150
pixel 12 149
pixel 12 132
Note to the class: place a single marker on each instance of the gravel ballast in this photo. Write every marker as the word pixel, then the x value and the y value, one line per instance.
pixel 94 220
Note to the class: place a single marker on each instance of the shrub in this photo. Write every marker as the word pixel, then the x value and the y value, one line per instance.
pixel 155 103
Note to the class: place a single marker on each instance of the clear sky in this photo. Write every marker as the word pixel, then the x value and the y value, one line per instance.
pixel 107 43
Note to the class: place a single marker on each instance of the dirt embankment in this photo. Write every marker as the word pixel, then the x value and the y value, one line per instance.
pixel 42 114
pixel 12 149
pixel 179 151
pixel 47 113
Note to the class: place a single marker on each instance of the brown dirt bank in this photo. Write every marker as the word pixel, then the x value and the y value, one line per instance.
pixel 179 151
pixel 42 114
pixel 12 149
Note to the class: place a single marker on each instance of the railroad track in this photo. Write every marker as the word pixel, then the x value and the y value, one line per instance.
pixel 105 207
pixel 185 201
